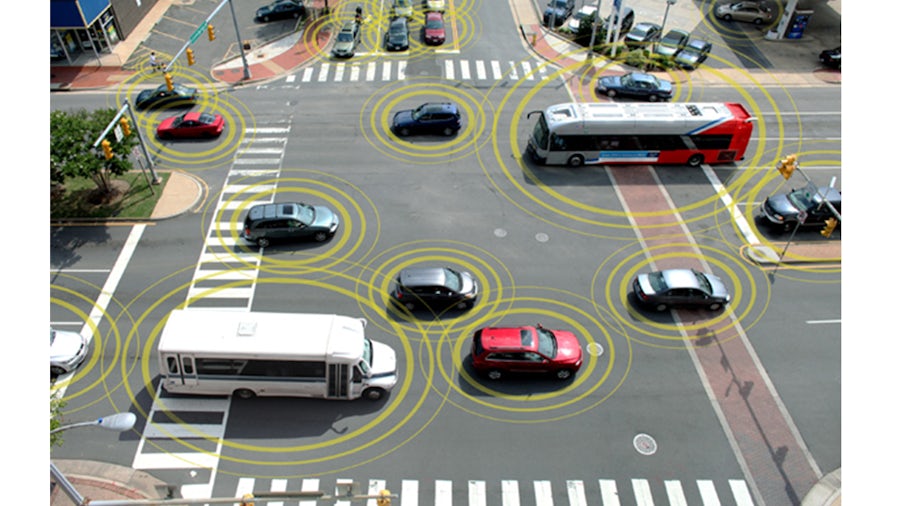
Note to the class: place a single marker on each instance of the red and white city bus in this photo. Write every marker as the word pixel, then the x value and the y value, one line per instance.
pixel 596 133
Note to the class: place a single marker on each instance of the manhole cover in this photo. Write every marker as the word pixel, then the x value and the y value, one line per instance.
pixel 644 444
pixel 542 237
pixel 499 232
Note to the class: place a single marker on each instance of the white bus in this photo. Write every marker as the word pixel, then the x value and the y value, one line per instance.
pixel 210 352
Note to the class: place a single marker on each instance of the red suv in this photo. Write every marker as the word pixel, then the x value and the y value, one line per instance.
pixel 497 351
pixel 434 28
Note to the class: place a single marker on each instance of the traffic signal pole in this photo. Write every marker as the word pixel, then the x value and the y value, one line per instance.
pixel 126 108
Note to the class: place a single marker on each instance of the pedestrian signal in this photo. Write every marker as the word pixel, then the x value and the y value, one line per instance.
pixel 830 225
pixel 126 127
pixel 190 56
pixel 107 149
pixel 169 84
pixel 211 32
pixel 787 165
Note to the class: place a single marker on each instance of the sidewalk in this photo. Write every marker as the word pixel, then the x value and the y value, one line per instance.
pixel 99 481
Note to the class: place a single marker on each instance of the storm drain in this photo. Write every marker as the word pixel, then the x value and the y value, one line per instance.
pixel 644 444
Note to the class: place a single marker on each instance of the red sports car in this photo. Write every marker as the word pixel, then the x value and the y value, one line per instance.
pixel 498 351
pixel 191 125
pixel 434 28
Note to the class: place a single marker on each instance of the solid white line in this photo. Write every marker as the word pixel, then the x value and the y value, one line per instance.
pixel 820 322
pixel 80 271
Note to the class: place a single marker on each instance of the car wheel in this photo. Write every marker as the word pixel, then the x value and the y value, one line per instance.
pixel 787 227
pixel 610 93
pixel 244 393
pixel 494 374
pixel 661 307
pixel 404 132
pixel 695 160
pixel 262 242
pixel 757 21
pixel 463 305
pixel 296 15
pixel 715 306
pixel 374 393
pixel 727 17
pixel 563 374
pixel 576 161
pixel 320 236
pixel 56 370
pixel 410 306
pixel 653 98
pixel 448 131
pixel 266 19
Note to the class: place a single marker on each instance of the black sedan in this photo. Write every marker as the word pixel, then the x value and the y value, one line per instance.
pixel 693 54
pixel 831 58
pixel 643 34
pixel 635 84
pixel 429 118
pixel 281 9
pixel 397 38
pixel 180 96
pixel 808 207
pixel 661 290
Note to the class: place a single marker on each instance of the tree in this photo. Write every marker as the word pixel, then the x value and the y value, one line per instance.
pixel 71 136
pixel 56 406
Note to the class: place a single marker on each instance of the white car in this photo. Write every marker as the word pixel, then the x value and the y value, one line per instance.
pixel 584 13
pixel 67 351
pixel 435 5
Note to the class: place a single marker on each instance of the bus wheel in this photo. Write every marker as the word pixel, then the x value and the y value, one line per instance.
pixel 695 160
pixel 576 161
pixel 244 393
pixel 374 394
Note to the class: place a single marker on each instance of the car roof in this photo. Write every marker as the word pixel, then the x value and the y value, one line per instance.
pixel 192 116
pixel 423 276
pixel 677 32
pixel 680 278
pixel 698 44
pixel 832 195
pixel 640 76
pixel 508 338
pixel 348 26
pixel 439 107
pixel 433 15
pixel 399 20
pixel 276 210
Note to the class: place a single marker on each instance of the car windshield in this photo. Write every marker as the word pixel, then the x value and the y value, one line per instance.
pixel 657 282
pixel 306 213
pixel 433 24
pixel 453 280
pixel 546 342
pixel 178 121
pixel 560 4
pixel 800 200
pixel 397 29
pixel 345 37
pixel 207 118
pixel 703 282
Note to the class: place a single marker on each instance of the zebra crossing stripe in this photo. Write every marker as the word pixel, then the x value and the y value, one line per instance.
pixel 443 493
pixel 642 494
pixel 480 71
pixel 248 188
pixel 375 487
pixel 183 431
pixel 510 492
pixel 740 492
pixel 309 485
pixel 386 71
pixel 267 130
pixel 543 493
pixel 708 493
pixel 307 74
pixel 495 67
pixel 448 69
pixel 190 460
pixel 323 73
pixel 401 70
pixel 513 71
pixel 245 486
pixel 231 275
pixel 464 70
pixel 278 485
pixel 609 493
pixel 196 293
pixel 675 493
pixel 370 71
pixel 477 493
pixel 526 68
pixel 409 493
pixel 577 496
pixel 345 483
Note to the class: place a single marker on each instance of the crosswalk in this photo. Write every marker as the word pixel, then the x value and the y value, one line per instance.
pixel 224 278
pixel 396 70
pixel 605 492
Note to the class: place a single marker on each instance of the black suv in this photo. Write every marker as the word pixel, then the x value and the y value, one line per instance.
pixel 784 211
pixel 288 220
pixel 430 118
pixel 437 288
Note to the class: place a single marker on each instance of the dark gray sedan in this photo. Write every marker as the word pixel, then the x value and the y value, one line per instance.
pixel 693 54
pixel 661 290
pixel 635 84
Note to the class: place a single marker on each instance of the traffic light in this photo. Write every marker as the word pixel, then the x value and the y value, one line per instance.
pixel 126 127
pixel 107 149
pixel 169 84
pixel 190 56
pixel 830 225
pixel 211 32
pixel 384 499
pixel 787 165
pixel 245 500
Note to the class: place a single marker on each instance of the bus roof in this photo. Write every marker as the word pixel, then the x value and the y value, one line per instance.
pixel 610 118
pixel 222 333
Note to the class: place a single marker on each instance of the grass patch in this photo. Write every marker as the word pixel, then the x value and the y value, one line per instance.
pixel 134 199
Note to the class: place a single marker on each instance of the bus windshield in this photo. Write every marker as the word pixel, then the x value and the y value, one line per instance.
pixel 541 133
pixel 366 362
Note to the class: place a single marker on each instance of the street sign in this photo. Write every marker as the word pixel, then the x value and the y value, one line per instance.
pixel 119 134
pixel 199 31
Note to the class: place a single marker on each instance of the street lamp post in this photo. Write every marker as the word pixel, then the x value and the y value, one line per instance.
pixel 118 422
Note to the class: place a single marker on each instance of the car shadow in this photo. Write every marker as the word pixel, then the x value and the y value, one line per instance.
pixel 509 384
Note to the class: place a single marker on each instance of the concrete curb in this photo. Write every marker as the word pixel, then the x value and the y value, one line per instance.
pixel 184 191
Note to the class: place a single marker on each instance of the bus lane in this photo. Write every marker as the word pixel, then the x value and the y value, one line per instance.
pixel 764 438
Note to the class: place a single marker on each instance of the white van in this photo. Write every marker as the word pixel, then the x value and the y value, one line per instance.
pixel 216 352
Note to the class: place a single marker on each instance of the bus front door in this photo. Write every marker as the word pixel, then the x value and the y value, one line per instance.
pixel 338 381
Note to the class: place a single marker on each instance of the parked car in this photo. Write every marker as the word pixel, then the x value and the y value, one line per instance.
pixel 627 21
pixel 693 54
pixel 747 11
pixel 191 125
pixel 67 351
pixel 635 84
pixel 668 288
pixel 434 28
pixel 643 34
pixel 397 38
pixel 558 11
pixel 783 212
pixel 672 43
pixel 402 8
pixel 347 38
pixel 180 96
pixel 586 13
pixel 428 118
pixel 498 351
pixel 831 57
pixel 435 5
pixel 281 9
pixel 266 223
pixel 436 288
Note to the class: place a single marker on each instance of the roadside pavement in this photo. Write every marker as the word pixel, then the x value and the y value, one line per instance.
pixel 782 63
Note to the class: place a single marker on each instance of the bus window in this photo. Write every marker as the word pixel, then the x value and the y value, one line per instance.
pixel 557 143
pixel 172 363
pixel 186 365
